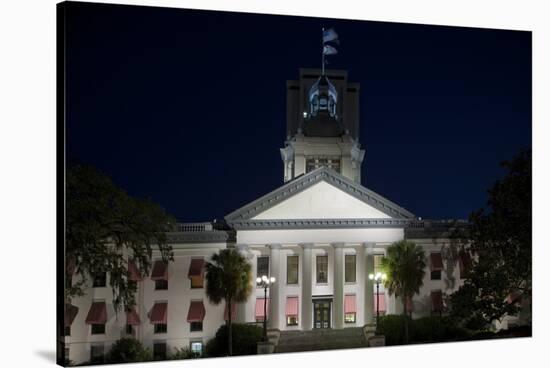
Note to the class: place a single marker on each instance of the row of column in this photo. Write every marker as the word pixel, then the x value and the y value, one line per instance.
pixel 364 296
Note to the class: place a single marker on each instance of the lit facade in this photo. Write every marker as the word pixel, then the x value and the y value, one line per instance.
pixel 320 235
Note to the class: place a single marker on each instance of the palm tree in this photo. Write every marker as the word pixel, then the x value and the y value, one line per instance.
pixel 404 268
pixel 229 278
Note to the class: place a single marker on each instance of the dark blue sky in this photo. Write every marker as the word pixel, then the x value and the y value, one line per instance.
pixel 188 107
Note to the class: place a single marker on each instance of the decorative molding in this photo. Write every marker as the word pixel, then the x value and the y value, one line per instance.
pixel 274 246
pixel 306 245
pixel 319 224
pixel 307 180
pixel 338 245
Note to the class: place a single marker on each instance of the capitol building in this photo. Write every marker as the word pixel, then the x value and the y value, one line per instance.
pixel 320 234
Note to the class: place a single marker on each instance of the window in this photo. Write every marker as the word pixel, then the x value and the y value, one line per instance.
pixel 161 284
pixel 98 329
pixel 197 283
pixel 322 269
pixel 262 267
pixel 67 331
pixel 435 275
pixel 313 163
pixel 436 265
pixel 97 353
pixel 195 326
pixel 161 328
pixel 378 263
pixel 292 320
pixel 349 318
pixel 350 268
pixel 100 279
pixel 196 347
pixel 292 270
pixel 130 330
pixel 159 350
pixel 68 281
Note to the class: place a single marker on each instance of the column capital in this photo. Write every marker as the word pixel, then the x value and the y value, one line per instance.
pixel 369 246
pixel 274 246
pixel 306 245
pixel 241 246
pixel 338 245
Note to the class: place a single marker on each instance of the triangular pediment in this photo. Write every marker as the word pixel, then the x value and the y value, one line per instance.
pixel 320 194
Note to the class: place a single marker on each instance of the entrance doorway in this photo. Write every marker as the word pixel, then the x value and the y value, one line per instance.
pixel 321 313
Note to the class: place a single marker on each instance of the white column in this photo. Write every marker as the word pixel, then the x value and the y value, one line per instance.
pixel 245 311
pixel 306 302
pixel 274 290
pixel 338 304
pixel 369 284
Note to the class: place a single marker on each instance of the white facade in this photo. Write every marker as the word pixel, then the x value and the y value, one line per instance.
pixel 320 218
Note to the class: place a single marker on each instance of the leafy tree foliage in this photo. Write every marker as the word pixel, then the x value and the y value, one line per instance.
pixel 184 353
pixel 228 278
pixel 105 226
pixel 128 350
pixel 404 267
pixel 501 240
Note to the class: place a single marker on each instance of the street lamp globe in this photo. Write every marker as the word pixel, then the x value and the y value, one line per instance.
pixel 272 279
pixel 371 276
pixel 258 280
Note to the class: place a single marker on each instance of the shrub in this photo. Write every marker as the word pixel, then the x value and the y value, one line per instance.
pixel 245 339
pixel 422 330
pixel 393 327
pixel 184 353
pixel 128 350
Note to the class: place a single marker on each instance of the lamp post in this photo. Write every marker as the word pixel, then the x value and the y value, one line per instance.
pixel 265 282
pixel 378 278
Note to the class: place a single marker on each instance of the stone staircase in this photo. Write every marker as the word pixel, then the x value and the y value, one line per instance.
pixel 321 339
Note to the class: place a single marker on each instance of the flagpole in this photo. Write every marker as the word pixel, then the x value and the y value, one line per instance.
pixel 322 52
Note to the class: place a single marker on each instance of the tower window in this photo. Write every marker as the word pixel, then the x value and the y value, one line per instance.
pixel 313 163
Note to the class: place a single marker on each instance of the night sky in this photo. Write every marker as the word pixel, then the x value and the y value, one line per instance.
pixel 188 108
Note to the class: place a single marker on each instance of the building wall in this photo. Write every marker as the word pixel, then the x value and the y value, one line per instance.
pixel 290 242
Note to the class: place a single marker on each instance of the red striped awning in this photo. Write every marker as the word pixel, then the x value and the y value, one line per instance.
pixel 381 302
pixel 513 297
pixel 160 271
pixel 196 311
pixel 97 315
pixel 159 314
pixel 196 267
pixel 233 312
pixel 437 301
pixel 292 306
pixel 132 318
pixel 436 263
pixel 133 271
pixel 260 308
pixel 350 305
pixel 70 265
pixel 70 314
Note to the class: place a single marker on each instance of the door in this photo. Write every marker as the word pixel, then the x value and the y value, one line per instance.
pixel 321 314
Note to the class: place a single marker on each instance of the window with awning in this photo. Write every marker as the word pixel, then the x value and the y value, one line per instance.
pixel 70 314
pixel 132 318
pixel 259 311
pixel 292 310
pixel 196 273
pixel 133 271
pixel 381 303
pixel 160 271
pixel 159 313
pixel 97 315
pixel 436 265
pixel 195 315
pixel 437 301
pixel 350 308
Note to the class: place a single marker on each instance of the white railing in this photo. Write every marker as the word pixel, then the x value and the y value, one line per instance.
pixel 194 227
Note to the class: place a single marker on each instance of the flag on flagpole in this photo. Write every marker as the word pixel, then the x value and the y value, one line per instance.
pixel 329 50
pixel 330 35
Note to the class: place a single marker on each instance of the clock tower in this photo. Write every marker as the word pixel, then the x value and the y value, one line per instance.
pixel 322 126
